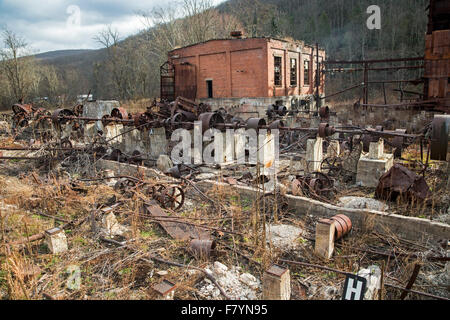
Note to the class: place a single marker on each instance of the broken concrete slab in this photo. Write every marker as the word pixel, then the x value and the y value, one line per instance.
pixel 362 203
pixel 283 236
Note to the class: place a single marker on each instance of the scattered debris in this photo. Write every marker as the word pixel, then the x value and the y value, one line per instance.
pixel 363 203
pixel 283 236
pixel 239 286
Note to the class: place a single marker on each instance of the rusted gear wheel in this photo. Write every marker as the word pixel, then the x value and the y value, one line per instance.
pixel 320 183
pixel 172 197
pixel 332 166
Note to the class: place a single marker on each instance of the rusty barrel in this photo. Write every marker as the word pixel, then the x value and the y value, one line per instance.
pixel 202 247
pixel 342 224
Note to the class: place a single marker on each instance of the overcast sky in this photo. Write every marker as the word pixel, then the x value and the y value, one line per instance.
pixel 50 25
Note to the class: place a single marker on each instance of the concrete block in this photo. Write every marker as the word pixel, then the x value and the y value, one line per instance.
pixel 158 142
pixel 164 163
pixel 113 131
pixel 334 149
pixel 277 283
pixel 376 149
pixel 314 154
pixel 373 276
pixel 56 240
pixel 324 244
pixel 370 170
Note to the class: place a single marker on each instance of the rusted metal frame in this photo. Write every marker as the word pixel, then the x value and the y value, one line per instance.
pixel 411 280
pixel 373 61
pixel 342 91
pixel 172 220
pixel 111 119
pixel 348 273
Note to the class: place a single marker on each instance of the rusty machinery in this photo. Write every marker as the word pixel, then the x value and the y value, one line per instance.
pixel 184 112
pixel 169 196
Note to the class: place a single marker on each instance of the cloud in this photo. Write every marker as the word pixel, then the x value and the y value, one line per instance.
pixel 49 25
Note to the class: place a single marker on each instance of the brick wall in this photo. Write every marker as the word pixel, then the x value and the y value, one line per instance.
pixel 245 67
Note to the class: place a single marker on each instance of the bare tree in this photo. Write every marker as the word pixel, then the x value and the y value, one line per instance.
pixel 189 22
pixel 20 70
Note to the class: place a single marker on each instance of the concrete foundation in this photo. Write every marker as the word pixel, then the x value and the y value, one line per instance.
pixel 277 283
pixel 324 244
pixel 370 170
pixel 409 228
pixel 314 154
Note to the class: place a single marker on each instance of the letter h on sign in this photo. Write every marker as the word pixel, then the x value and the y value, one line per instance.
pixel 354 288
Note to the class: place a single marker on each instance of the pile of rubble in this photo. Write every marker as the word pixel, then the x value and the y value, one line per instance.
pixel 238 285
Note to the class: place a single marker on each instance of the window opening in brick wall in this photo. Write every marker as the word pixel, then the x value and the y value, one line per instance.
pixel 293 72
pixel 277 69
pixel 306 72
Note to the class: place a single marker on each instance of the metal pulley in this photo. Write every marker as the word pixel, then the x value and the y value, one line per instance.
pixel 324 112
pixel 210 120
pixel 325 130
pixel 439 137
pixel 119 113
pixel 255 123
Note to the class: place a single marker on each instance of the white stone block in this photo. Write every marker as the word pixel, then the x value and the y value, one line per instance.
pixel 373 276
pixel 376 149
pixel 56 240
pixel 314 154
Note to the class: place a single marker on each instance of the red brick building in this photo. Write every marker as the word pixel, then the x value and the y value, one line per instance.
pixel 256 71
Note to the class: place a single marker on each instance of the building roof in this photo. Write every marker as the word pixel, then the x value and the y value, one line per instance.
pixel 243 39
